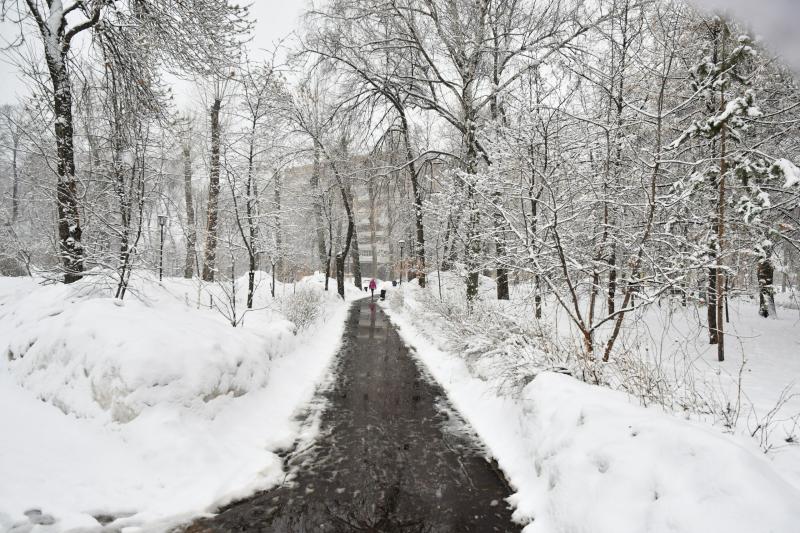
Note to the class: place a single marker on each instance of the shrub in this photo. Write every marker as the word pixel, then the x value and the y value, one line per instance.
pixel 303 307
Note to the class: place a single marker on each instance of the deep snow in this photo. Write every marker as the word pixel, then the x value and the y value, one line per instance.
pixel 155 410
pixel 149 411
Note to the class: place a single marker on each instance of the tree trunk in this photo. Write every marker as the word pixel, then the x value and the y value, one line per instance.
pixel 723 169
pixel 766 290
pixel 328 253
pixel 15 176
pixel 612 281
pixel 191 231
pixel 209 265
pixel 357 278
pixel 372 228
pixel 473 245
pixel 355 256
pixel 278 263
pixel 537 298
pixel 322 253
pixel 137 182
pixel 272 287
pixel 619 102
pixel 67 202
pixel 500 251
pixel 251 208
pixel 351 229
pixel 711 300
pixel 340 274
pixel 419 246
pixel 537 282
pixel 450 250
pixel 251 280
pixel 593 296
pixel 121 188
pixel 498 117
pixel 720 294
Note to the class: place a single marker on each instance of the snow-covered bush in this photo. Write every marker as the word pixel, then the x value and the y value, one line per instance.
pixel 304 306
pixel 497 346
pixel 96 356
pixel 502 344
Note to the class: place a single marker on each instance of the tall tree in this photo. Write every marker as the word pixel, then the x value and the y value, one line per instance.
pixel 12 133
pixel 188 198
pixel 212 206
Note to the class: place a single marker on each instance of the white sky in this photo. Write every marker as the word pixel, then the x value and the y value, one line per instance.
pixel 774 21
pixel 275 19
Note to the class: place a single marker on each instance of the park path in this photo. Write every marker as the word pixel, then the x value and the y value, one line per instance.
pixel 392 456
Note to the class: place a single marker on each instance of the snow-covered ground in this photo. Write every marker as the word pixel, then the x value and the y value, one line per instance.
pixel 759 380
pixel 588 458
pixel 151 410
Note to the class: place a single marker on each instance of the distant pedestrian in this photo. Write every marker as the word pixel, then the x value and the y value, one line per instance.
pixel 372 287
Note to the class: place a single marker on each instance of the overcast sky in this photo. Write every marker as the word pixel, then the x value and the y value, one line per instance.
pixel 274 20
pixel 774 21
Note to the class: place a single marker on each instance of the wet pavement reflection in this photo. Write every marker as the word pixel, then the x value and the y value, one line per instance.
pixel 392 456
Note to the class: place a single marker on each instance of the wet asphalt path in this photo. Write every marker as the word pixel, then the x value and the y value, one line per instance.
pixel 392 456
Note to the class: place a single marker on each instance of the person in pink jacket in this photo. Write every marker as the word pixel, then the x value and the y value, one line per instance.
pixel 372 287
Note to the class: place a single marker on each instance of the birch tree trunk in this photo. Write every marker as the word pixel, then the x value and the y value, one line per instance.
pixel 251 207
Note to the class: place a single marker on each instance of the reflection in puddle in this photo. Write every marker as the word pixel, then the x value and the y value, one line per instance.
pixel 392 455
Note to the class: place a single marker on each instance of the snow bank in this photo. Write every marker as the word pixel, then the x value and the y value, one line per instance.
pixel 94 357
pixel 603 461
pixel 585 458
pixel 148 410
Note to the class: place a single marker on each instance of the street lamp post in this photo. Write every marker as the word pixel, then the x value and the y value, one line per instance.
pixel 162 220
pixel 402 244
